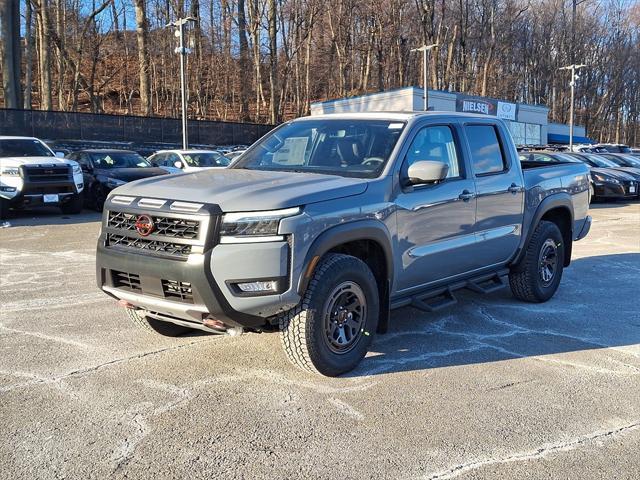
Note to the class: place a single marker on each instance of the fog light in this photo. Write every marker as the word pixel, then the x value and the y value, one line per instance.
pixel 264 286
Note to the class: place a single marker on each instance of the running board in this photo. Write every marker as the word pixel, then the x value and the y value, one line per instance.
pixel 443 297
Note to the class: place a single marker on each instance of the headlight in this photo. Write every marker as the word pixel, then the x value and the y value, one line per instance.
pixel 13 171
pixel 114 182
pixel 604 178
pixel 254 226
pixel 77 170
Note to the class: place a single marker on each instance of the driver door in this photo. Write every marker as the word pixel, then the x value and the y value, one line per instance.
pixel 435 221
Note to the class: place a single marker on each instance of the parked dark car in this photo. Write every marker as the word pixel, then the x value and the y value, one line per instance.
pixel 613 147
pixel 609 180
pixel 104 170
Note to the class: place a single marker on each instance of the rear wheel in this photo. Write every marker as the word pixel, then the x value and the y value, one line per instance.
pixel 158 326
pixel 74 205
pixel 537 276
pixel 331 330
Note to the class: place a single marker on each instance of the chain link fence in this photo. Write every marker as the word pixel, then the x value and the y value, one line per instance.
pixel 90 127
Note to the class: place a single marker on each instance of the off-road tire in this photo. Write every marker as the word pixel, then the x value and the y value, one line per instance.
pixel 166 329
pixel 99 198
pixel 302 329
pixel 524 278
pixel 74 205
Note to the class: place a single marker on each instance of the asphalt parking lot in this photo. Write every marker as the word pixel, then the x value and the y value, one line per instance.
pixel 490 388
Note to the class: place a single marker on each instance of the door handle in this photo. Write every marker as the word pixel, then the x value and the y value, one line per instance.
pixel 466 195
pixel 514 188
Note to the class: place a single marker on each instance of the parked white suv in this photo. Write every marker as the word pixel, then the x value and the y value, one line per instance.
pixel 177 161
pixel 32 175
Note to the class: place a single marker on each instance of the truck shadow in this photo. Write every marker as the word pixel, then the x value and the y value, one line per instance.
pixel 595 307
pixel 48 216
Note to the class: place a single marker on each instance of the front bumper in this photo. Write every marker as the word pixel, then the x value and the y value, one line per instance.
pixel 627 189
pixel 37 183
pixel 199 283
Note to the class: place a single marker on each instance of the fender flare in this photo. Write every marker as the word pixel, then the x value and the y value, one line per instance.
pixel 345 233
pixel 556 200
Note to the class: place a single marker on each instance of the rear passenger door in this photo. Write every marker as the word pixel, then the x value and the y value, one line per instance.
pixel 435 221
pixel 499 190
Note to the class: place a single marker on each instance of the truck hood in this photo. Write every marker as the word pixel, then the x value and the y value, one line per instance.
pixel 238 190
pixel 130 174
pixel 18 161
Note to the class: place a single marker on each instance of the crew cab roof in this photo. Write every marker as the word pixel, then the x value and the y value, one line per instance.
pixel 393 116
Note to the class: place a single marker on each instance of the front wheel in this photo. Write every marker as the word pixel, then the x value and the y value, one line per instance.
pixel 74 205
pixel 331 330
pixel 4 209
pixel 166 329
pixel 537 276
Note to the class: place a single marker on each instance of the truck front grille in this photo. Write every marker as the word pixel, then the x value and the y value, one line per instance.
pixel 164 226
pixel 47 173
pixel 144 245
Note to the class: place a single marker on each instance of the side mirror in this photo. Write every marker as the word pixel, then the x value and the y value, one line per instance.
pixel 177 164
pixel 426 171
pixel 59 154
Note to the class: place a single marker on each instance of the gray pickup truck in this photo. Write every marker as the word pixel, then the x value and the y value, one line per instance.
pixel 328 223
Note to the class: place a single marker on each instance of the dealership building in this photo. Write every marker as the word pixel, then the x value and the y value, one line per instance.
pixel 529 124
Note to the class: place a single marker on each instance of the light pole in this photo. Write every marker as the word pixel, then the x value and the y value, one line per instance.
pixel 424 49
pixel 183 51
pixel 572 84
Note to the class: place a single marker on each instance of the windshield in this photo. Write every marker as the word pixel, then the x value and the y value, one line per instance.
pixel 599 161
pixel 119 160
pixel 629 161
pixel 206 159
pixel 350 148
pixel 566 158
pixel 23 148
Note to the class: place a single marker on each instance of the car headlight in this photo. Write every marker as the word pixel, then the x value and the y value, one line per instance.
pixel 114 182
pixel 249 227
pixel 13 171
pixel 77 170
pixel 603 178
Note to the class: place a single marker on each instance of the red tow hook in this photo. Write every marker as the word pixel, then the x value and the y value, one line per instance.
pixel 214 323
pixel 125 304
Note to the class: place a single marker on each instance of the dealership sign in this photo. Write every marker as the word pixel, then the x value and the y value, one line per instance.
pixel 486 106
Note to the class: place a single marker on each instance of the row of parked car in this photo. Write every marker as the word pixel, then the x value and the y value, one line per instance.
pixel 613 175
pixel 33 174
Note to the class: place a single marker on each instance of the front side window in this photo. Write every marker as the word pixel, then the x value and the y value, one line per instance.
pixel 599 161
pixel 20 147
pixel 436 144
pixel 119 160
pixel 350 148
pixel 486 153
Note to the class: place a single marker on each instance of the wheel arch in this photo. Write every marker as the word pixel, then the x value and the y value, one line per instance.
pixel 367 240
pixel 557 209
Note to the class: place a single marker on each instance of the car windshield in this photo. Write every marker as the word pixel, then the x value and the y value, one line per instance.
pixel 206 159
pixel 630 161
pixel 566 158
pixel 599 161
pixel 349 148
pixel 19 147
pixel 119 160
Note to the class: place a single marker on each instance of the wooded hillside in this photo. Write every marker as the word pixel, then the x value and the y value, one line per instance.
pixel 266 60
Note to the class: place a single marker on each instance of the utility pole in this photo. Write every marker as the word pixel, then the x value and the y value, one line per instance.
pixel 183 51
pixel 572 84
pixel 424 49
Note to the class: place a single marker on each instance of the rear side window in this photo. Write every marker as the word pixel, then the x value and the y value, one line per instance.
pixel 486 154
